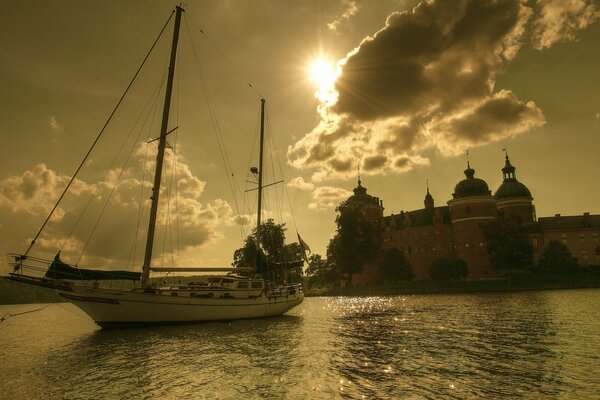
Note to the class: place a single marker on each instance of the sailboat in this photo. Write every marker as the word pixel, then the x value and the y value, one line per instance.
pixel 239 294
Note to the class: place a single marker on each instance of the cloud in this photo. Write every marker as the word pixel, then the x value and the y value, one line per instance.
pixel 35 191
pixel 559 20
pixel 327 197
pixel 56 127
pixel 183 221
pixel 423 82
pixel 351 9
pixel 300 184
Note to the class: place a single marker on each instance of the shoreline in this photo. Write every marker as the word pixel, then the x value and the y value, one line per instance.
pixel 515 284
pixel 13 293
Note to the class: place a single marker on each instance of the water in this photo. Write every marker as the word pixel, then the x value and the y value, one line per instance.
pixel 509 345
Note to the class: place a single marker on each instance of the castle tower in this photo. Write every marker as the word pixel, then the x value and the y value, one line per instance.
pixel 514 198
pixel 428 199
pixel 471 207
pixel 372 210
pixel 372 206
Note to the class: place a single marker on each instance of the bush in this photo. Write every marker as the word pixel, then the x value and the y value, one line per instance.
pixel 446 269
pixel 557 260
pixel 395 267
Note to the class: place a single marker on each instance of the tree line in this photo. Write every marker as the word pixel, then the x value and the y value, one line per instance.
pixel 357 243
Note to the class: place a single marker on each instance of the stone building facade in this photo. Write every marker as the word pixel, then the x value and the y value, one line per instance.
pixel 455 230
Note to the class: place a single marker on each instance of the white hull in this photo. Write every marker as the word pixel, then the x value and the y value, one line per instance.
pixel 108 307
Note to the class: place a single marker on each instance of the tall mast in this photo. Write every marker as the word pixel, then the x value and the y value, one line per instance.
pixel 161 151
pixel 260 178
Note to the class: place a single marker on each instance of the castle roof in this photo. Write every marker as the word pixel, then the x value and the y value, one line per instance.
pixel 360 196
pixel 422 217
pixel 569 222
pixel 471 186
pixel 511 187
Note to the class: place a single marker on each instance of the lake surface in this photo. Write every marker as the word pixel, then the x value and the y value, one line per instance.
pixel 534 345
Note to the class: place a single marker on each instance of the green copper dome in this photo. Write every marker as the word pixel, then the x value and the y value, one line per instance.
pixel 511 187
pixel 471 186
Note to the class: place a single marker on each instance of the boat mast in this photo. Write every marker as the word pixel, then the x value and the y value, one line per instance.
pixel 260 178
pixel 161 150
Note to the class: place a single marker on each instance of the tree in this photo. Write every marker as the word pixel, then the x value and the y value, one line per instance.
pixel 356 239
pixel 395 267
pixel 508 245
pixel 447 269
pixel 275 257
pixel 319 270
pixel 557 259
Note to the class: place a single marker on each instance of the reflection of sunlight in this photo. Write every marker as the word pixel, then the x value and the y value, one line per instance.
pixel 324 74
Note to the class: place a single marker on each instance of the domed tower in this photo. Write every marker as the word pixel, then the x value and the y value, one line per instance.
pixel 372 206
pixel 514 198
pixel 372 210
pixel 471 207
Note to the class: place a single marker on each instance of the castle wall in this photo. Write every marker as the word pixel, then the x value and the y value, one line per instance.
pixel 422 245
pixel 469 216
pixel 581 235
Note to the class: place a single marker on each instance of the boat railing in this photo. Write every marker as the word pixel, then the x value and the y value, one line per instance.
pixel 284 290
pixel 28 265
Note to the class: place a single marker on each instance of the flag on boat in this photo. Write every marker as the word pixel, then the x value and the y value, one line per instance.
pixel 304 247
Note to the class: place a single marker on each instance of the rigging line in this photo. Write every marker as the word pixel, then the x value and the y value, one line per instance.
pixel 168 225
pixel 214 121
pixel 97 137
pixel 285 188
pixel 176 203
pixel 97 186
pixel 274 152
pixel 143 195
pixel 242 77
pixel 178 98
pixel 113 188
pixel 8 315
pixel 250 210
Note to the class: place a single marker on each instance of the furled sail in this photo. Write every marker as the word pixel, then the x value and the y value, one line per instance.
pixel 60 270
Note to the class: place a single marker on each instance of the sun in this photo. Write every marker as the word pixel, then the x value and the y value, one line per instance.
pixel 322 73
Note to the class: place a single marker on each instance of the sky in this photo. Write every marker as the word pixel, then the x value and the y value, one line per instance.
pixel 396 91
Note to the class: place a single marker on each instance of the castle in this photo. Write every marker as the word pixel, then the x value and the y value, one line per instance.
pixel 455 230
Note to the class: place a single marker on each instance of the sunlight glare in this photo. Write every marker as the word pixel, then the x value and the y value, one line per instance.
pixel 323 74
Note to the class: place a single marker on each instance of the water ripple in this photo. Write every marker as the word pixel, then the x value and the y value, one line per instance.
pixel 521 345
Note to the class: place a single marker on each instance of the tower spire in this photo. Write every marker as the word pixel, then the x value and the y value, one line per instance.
pixel 428 197
pixel 508 172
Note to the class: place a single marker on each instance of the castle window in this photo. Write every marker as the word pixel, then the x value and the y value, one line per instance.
pixel 582 237
pixel 535 242
pixel 595 236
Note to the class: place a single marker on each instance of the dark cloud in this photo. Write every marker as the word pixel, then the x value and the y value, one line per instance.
pixel 374 163
pixel 425 81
